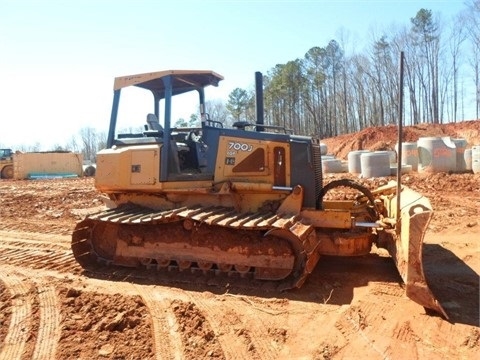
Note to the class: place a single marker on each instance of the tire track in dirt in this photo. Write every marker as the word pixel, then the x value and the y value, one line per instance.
pixel 168 344
pixel 375 305
pixel 46 330
pixel 262 334
pixel 371 328
pixel 37 251
pixel 20 324
pixel 49 327
pixel 352 324
pixel 5 310
pixel 199 339
pixel 227 327
pixel 38 238
pixel 233 333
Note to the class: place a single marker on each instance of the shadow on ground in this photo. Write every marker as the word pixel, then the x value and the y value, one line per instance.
pixel 333 281
pixel 454 284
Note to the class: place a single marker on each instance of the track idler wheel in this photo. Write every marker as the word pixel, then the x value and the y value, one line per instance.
pixel 295 275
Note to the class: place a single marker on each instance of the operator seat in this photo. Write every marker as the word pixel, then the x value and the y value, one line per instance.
pixel 153 123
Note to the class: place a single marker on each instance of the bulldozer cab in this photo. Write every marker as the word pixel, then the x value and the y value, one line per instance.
pixel 5 154
pixel 158 156
pixel 182 148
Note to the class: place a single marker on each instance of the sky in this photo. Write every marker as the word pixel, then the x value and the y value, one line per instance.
pixel 58 59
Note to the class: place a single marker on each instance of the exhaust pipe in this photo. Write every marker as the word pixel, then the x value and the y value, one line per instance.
pixel 259 101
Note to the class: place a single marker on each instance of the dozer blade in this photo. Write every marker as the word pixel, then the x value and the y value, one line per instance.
pixel 405 246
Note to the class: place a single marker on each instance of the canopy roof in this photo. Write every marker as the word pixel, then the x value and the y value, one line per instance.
pixel 182 80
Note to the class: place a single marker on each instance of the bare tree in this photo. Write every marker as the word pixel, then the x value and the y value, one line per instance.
pixel 72 145
pixel 101 141
pixel 457 37
pixel 473 20
pixel 218 111
pixel 89 142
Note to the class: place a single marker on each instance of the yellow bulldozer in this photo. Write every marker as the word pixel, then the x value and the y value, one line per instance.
pixel 249 199
pixel 6 164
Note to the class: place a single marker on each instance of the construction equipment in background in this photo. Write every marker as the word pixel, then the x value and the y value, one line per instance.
pixel 47 165
pixel 6 163
pixel 248 200
pixel 40 165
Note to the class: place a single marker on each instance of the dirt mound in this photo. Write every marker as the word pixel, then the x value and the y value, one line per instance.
pixel 385 138
pixel 109 326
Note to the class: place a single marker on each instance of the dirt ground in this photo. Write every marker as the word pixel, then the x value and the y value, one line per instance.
pixel 349 308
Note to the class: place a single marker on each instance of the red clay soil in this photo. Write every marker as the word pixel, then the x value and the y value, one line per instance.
pixel 385 138
pixel 348 308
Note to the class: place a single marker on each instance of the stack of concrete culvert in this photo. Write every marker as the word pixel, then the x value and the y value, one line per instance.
pixel 405 169
pixel 375 164
pixel 409 159
pixel 468 159
pixel 323 149
pixel 89 170
pixel 330 164
pixel 460 147
pixel 443 154
pixel 372 163
pixel 476 159
pixel 428 154
pixel 472 159
pixel 354 164
pixel 436 154
pixel 393 166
